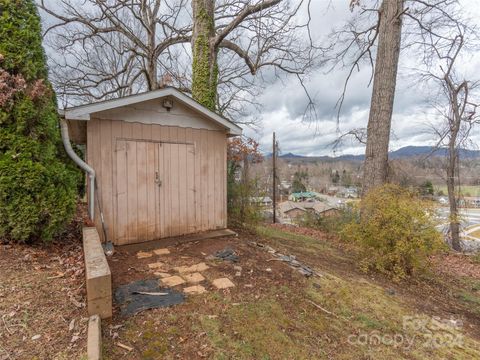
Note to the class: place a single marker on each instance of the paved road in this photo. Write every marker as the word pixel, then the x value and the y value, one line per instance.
pixel 469 217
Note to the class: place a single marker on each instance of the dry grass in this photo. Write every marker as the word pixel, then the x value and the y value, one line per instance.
pixel 286 316
pixel 276 314
pixel 41 291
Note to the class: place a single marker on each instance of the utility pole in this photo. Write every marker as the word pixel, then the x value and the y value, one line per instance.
pixel 274 156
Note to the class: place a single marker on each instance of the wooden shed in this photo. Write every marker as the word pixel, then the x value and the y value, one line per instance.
pixel 160 164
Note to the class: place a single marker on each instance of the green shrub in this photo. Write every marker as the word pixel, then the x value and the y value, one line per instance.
pixel 395 232
pixel 242 211
pixel 37 182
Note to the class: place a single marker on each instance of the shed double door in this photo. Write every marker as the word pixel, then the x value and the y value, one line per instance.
pixel 155 195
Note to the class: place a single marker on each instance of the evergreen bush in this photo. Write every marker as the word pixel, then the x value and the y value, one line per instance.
pixel 37 184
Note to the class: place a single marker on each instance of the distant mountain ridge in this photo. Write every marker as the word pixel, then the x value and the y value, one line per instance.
pixel 404 152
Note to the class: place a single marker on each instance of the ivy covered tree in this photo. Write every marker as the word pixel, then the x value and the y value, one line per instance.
pixel 258 33
pixel 37 185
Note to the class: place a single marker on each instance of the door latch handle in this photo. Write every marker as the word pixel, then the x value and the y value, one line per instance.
pixel 157 179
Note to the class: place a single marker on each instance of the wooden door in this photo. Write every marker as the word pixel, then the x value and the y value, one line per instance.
pixel 155 192
pixel 177 194
pixel 136 209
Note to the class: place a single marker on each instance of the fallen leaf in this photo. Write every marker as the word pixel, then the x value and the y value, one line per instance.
pixel 74 338
pixel 123 346
pixel 72 325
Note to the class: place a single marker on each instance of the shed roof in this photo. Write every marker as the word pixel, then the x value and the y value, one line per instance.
pixel 84 112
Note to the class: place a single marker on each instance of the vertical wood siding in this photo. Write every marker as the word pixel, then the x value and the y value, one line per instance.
pixel 191 164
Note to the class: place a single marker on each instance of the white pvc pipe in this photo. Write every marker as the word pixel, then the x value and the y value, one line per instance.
pixel 82 164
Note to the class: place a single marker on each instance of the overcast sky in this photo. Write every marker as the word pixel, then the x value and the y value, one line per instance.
pixel 283 102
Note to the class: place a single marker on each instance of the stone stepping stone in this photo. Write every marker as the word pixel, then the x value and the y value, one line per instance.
pixel 172 281
pixel 161 274
pixel 161 251
pixel 194 290
pixel 194 278
pixel 223 283
pixel 144 255
pixel 156 266
pixel 190 269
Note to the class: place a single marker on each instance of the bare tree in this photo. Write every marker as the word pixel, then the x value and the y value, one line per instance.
pixel 100 70
pixel 112 48
pixel 376 35
pixel 457 106
pixel 231 42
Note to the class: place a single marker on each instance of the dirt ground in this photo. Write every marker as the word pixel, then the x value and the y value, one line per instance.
pixel 42 301
pixel 269 312
pixel 273 312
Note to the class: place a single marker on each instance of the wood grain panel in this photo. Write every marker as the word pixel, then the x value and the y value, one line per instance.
pixel 192 167
pixel 116 127
pixel 197 180
pixel 142 188
pixel 204 179
pixel 218 176
pixel 181 177
pixel 211 180
pixel 191 203
pixel 152 192
pixel 105 184
pixel 122 203
pixel 132 185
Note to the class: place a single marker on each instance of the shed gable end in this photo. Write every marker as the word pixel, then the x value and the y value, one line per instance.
pixel 153 112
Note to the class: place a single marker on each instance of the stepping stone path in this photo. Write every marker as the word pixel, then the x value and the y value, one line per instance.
pixel 157 265
pixel 194 268
pixel 194 278
pixel 162 274
pixel 223 283
pixel 172 281
pixel 144 255
pixel 195 289
pixel 161 251
pixel 189 274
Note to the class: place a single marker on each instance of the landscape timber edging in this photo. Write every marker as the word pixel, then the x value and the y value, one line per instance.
pixel 97 274
pixel 94 338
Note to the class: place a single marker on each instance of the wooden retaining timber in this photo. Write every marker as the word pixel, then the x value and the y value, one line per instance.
pixel 98 275
pixel 94 339
pixel 155 244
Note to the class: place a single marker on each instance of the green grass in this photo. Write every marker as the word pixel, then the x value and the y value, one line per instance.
pixel 285 325
pixel 296 242
pixel 475 234
pixel 316 318
pixel 467 190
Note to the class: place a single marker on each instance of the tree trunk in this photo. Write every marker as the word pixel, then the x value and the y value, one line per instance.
pixel 451 168
pixel 452 198
pixel 204 65
pixel 381 107
pixel 152 76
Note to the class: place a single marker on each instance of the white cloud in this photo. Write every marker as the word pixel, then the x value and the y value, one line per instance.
pixel 284 102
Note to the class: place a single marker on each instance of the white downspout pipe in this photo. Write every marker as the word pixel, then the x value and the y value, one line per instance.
pixel 82 164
